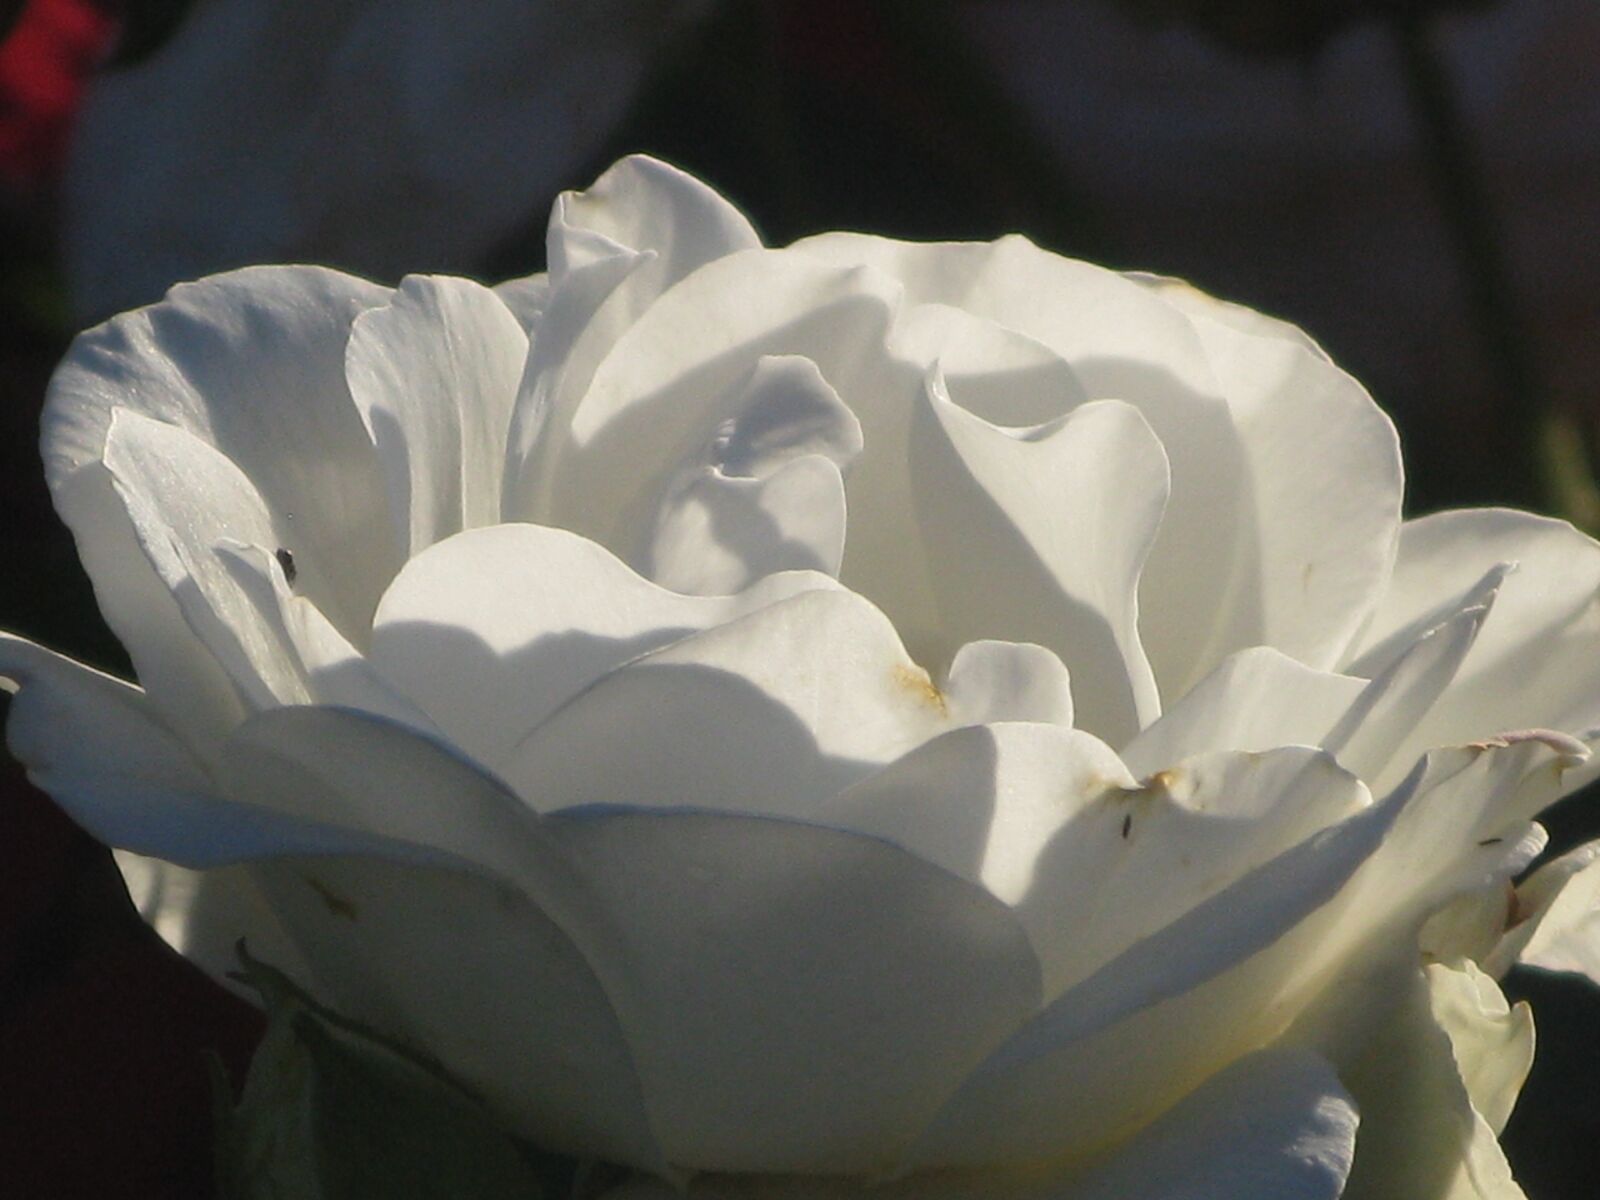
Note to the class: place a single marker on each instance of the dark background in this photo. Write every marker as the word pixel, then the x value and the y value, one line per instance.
pixel 1417 184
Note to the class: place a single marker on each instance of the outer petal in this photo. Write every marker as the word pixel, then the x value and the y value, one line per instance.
pixel 1534 665
pixel 80 732
pixel 1259 698
pixel 1274 1125
pixel 1049 821
pixel 745 958
pixel 1235 972
pixel 1253 700
pixel 1421 1135
pixel 253 363
pixel 1556 912
pixel 1320 498
pixel 183 498
pixel 471 971
pixel 1492 1041
pixel 799 998
pixel 204 914
pixel 645 204
pixel 434 374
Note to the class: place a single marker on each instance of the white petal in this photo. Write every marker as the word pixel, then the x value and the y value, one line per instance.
pixel 1187 298
pixel 183 498
pixel 644 204
pixel 1390 708
pixel 671 378
pixel 527 298
pixel 799 999
pixel 183 678
pixel 1008 681
pixel 1420 1134
pixel 100 749
pixel 1218 981
pixel 253 363
pixel 1273 1125
pixel 470 972
pixel 434 374
pixel 79 732
pixel 1557 910
pixel 614 250
pixel 492 630
pixel 766 494
pixel 363 774
pixel 330 669
pixel 772 713
pixel 1492 1040
pixel 984 802
pixel 568 344
pixel 1253 700
pixel 1122 343
pixel 1321 497
pixel 1533 664
pixel 1064 514
pixel 734 952
pixel 1049 821
pixel 203 915
pixel 717 534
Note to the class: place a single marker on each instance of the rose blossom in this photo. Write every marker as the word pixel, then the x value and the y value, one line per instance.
pixel 1126 805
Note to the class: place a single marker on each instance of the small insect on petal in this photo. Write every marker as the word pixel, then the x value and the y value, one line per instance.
pixel 286 561
pixel 1127 824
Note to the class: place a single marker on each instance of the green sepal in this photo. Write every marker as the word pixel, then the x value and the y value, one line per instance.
pixel 331 1110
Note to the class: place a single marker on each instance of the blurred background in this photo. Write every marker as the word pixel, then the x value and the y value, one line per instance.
pixel 1416 183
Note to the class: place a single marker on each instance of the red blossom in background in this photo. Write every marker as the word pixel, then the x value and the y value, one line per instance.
pixel 44 63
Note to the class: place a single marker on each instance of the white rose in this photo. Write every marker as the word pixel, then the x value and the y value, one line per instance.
pixel 1067 829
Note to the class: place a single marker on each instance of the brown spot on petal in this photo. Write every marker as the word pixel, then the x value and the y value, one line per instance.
pixel 1163 781
pixel 920 684
pixel 337 904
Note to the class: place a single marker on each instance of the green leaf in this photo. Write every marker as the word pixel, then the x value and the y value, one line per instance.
pixel 332 1111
